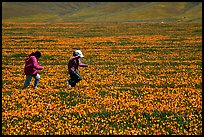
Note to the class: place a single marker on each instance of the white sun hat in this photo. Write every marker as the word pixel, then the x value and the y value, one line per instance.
pixel 78 52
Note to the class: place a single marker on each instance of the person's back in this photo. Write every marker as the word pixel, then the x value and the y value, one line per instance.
pixel 73 64
pixel 31 65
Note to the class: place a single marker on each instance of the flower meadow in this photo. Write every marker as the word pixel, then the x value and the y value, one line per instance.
pixel 142 79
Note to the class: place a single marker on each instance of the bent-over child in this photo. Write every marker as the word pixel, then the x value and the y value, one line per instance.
pixel 73 65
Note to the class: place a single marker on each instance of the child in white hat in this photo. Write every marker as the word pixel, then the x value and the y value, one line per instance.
pixel 73 65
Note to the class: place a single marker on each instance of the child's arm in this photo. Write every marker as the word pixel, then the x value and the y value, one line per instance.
pixel 35 64
pixel 82 64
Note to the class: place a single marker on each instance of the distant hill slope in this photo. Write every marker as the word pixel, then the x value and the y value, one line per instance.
pixel 100 11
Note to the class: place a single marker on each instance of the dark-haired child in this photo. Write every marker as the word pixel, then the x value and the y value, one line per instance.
pixel 31 69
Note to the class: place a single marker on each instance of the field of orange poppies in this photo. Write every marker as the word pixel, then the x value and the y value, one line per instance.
pixel 142 79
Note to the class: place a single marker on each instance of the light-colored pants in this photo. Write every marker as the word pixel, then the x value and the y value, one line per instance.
pixel 28 79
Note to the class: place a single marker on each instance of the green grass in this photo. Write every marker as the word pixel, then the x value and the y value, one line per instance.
pixel 93 11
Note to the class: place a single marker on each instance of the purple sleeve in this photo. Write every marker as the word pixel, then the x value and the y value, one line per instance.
pixel 35 64
pixel 82 64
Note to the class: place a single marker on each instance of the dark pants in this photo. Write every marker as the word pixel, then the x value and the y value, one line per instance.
pixel 75 78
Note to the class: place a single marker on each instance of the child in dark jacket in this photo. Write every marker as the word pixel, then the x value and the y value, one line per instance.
pixel 31 69
pixel 73 65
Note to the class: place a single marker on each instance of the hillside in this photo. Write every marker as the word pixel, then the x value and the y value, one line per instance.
pixel 100 11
